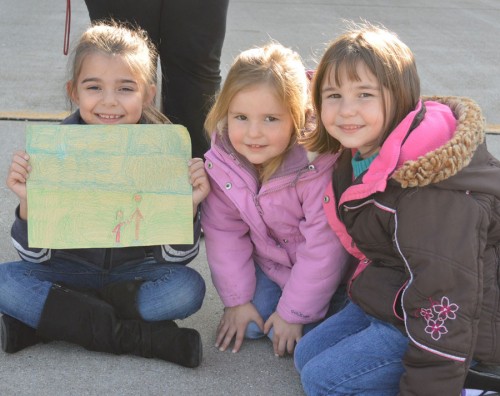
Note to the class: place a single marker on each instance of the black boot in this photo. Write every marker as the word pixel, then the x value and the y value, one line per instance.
pixel 85 320
pixel 123 297
pixel 16 335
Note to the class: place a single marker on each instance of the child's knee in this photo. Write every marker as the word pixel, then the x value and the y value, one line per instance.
pixel 198 290
pixel 308 376
pixel 299 358
pixel 11 272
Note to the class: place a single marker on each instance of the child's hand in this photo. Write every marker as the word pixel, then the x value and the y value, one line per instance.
pixel 234 323
pixel 286 335
pixel 18 173
pixel 16 179
pixel 199 180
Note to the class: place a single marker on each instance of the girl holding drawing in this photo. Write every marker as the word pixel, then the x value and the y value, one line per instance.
pixel 275 262
pixel 120 300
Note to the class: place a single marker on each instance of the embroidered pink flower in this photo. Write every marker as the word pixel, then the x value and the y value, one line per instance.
pixel 436 328
pixel 445 310
pixel 426 313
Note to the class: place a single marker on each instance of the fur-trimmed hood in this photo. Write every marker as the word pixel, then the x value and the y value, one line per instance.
pixel 451 157
pixel 441 141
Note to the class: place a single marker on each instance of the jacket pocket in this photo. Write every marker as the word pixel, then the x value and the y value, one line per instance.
pixel 377 291
pixel 488 341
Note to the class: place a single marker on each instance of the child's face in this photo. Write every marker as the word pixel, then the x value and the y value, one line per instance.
pixel 108 93
pixel 354 112
pixel 259 125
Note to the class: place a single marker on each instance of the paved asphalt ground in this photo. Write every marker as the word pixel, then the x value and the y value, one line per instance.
pixel 456 44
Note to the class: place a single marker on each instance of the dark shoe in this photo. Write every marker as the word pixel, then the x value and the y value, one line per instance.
pixel 123 297
pixel 86 320
pixel 182 346
pixel 16 335
pixel 483 377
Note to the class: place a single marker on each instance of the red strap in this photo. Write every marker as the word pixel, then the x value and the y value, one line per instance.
pixel 67 27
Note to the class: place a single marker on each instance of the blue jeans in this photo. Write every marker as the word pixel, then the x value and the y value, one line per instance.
pixel 266 298
pixel 170 291
pixel 351 353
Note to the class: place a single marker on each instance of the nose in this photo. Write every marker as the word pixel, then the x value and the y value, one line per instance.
pixel 109 97
pixel 253 129
pixel 347 107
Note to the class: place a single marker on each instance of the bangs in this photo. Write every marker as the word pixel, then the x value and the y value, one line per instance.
pixel 344 64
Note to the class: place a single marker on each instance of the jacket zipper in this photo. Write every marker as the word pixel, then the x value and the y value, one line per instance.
pixel 307 168
pixel 256 200
pixel 257 204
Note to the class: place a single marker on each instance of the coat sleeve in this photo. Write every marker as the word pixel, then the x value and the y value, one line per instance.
pixel 229 248
pixel 180 254
pixel 442 246
pixel 19 234
pixel 321 261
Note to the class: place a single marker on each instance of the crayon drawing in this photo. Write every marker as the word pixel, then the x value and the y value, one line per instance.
pixel 107 186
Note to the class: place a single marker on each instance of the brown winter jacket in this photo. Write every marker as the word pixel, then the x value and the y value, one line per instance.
pixel 428 227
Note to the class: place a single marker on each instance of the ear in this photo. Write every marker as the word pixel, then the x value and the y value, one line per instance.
pixel 150 94
pixel 71 92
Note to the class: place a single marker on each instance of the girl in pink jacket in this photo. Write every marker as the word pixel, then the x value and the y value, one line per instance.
pixel 274 260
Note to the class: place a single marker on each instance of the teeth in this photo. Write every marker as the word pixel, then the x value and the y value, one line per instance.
pixel 109 116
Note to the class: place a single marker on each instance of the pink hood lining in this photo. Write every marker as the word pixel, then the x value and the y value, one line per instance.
pixel 436 128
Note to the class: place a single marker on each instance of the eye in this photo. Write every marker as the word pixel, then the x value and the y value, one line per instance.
pixel 126 89
pixel 241 117
pixel 332 96
pixel 92 87
pixel 271 119
pixel 365 95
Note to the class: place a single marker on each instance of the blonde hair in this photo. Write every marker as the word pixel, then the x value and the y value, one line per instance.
pixel 279 67
pixel 132 45
pixel 388 59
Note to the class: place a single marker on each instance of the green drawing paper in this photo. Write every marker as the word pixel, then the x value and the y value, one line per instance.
pixel 108 186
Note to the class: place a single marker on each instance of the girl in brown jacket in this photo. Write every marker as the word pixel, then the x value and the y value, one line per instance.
pixel 415 196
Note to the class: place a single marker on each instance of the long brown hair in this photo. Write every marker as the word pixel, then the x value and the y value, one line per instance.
pixel 387 58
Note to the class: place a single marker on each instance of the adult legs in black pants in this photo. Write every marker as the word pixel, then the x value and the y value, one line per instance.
pixel 189 35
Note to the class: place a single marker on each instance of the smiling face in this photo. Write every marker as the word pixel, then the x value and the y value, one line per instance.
pixel 353 113
pixel 259 125
pixel 107 92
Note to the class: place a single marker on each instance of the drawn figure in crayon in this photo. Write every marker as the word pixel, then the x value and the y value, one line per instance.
pixel 119 225
pixel 137 215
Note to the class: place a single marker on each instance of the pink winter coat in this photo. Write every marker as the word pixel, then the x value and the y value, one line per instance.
pixel 281 227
